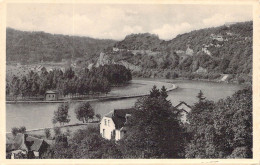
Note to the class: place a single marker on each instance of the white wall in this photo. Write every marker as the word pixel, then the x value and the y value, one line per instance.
pixel 109 128
pixel 118 136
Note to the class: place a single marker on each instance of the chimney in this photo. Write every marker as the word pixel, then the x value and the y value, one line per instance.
pixel 127 117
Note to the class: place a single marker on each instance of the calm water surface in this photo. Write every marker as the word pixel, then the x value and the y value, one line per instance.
pixel 40 115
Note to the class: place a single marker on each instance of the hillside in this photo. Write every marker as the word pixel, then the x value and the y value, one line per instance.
pixel 205 53
pixel 40 46
pixel 141 41
pixel 222 53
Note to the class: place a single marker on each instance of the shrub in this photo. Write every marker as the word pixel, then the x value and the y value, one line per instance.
pixel 57 131
pixel 22 129
pixel 15 131
pixel 240 80
pixel 175 75
pixel 47 133
pixel 98 116
pixel 68 132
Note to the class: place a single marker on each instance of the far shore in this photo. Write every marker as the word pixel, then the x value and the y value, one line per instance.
pixel 109 98
pixel 101 98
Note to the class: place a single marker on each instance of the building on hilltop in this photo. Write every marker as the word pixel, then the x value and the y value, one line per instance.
pixel 112 125
pixel 115 49
pixel 189 51
pixel 217 37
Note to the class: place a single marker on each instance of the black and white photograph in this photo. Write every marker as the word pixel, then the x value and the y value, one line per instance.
pixel 129 81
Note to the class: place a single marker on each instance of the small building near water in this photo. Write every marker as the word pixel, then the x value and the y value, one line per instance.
pixel 51 95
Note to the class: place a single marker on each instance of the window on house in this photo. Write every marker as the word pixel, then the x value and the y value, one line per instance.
pixel 108 122
pixel 103 133
pixel 105 122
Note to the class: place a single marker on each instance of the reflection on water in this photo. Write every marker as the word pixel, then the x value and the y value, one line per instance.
pixel 40 115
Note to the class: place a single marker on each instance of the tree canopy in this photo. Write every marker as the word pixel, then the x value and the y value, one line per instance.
pixel 153 130
pixel 222 129
pixel 61 114
pixel 84 112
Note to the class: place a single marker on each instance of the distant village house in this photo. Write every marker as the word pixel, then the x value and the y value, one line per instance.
pixel 217 37
pixel 189 51
pixel 201 70
pixel 115 49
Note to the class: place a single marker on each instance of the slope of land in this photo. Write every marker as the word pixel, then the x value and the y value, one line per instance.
pixel 205 53
pixel 210 53
pixel 33 47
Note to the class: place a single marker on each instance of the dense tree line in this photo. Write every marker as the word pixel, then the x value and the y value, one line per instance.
pixel 86 81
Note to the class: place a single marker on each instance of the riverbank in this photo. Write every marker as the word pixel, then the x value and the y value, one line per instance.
pixel 195 80
pixel 36 115
pixel 125 95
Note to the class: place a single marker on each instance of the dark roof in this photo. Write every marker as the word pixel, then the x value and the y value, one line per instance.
pixel 182 102
pixel 17 143
pixel 34 144
pixel 26 143
pixel 118 116
pixel 110 114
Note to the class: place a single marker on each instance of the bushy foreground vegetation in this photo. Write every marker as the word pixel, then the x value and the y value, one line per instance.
pixel 220 129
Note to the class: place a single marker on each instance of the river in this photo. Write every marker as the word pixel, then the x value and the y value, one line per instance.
pixel 39 115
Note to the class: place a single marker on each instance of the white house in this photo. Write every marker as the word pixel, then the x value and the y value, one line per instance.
pixel 115 49
pixel 217 37
pixel 201 70
pixel 184 109
pixel 189 51
pixel 112 125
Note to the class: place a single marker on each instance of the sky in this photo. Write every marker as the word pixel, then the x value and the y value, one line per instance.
pixel 115 21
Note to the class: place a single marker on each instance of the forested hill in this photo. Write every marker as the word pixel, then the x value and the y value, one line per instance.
pixel 40 46
pixel 205 53
pixel 141 41
pixel 225 49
